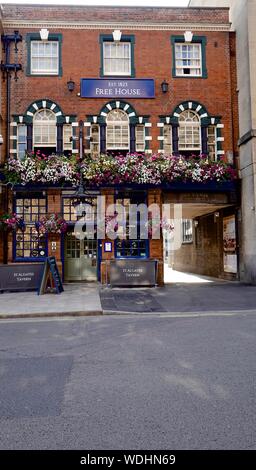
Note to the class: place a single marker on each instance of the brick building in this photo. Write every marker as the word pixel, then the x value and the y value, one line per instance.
pixel 123 79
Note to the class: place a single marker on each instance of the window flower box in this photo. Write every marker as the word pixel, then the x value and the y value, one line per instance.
pixel 137 168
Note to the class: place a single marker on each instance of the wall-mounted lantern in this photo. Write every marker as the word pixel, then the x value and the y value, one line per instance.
pixel 71 85
pixel 164 86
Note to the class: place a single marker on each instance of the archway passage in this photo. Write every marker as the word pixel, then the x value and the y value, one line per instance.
pixel 203 245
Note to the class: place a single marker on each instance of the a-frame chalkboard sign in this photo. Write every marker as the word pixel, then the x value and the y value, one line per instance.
pixel 50 271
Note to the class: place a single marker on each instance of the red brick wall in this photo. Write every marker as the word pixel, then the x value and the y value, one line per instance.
pixel 234 96
pixel 81 58
pixel 153 59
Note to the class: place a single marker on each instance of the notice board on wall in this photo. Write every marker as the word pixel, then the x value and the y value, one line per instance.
pixel 230 244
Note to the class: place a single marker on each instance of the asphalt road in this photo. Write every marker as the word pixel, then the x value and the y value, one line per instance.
pixel 128 383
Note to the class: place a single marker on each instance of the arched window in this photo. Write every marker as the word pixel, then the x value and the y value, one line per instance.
pixel 44 131
pixel 117 136
pixel 189 132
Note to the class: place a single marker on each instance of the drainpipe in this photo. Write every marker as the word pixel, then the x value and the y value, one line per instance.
pixel 8 108
pixel 7 67
pixel 8 99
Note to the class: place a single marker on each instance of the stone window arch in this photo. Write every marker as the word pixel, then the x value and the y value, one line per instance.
pixel 193 130
pixel 42 113
pixel 113 114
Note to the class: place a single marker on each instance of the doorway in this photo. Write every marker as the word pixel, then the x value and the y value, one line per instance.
pixel 80 258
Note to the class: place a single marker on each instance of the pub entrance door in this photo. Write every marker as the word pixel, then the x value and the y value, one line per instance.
pixel 80 258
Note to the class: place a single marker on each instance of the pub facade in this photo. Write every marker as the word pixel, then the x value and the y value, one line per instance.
pixel 96 100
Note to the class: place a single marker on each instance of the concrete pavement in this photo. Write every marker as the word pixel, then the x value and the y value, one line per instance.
pixel 177 299
pixel 77 299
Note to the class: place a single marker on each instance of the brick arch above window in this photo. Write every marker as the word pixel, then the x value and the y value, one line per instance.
pixel 195 106
pixel 207 121
pixel 134 117
pixel 205 117
pixel 24 123
pixel 135 120
pixel 124 106
pixel 45 103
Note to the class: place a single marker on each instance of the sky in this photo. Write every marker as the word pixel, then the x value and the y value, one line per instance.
pixel 156 3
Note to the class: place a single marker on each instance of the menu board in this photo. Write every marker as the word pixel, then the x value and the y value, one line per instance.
pixel 230 244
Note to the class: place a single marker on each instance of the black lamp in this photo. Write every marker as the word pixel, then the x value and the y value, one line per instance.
pixel 71 85
pixel 164 86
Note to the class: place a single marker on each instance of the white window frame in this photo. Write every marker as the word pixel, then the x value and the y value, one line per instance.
pixel 183 61
pixel 189 126
pixel 187 231
pixel 21 141
pixel 114 126
pixel 140 137
pixel 36 57
pixel 116 46
pixel 167 141
pixel 42 124
pixel 67 137
pixel 95 139
pixel 212 144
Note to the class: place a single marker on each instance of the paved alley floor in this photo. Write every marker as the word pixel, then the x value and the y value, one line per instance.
pixel 172 276
pixel 181 298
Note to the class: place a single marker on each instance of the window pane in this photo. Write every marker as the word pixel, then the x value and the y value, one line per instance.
pixel 44 57
pixel 189 131
pixel 167 144
pixel 41 49
pixel 54 48
pixel 187 231
pixel 117 58
pixel 212 144
pixel 21 140
pixel 188 59
pixel 140 138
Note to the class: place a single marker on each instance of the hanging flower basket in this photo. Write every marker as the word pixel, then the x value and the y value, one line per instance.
pixel 51 224
pixel 11 221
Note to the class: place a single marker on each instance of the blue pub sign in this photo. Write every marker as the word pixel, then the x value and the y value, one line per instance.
pixel 117 88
